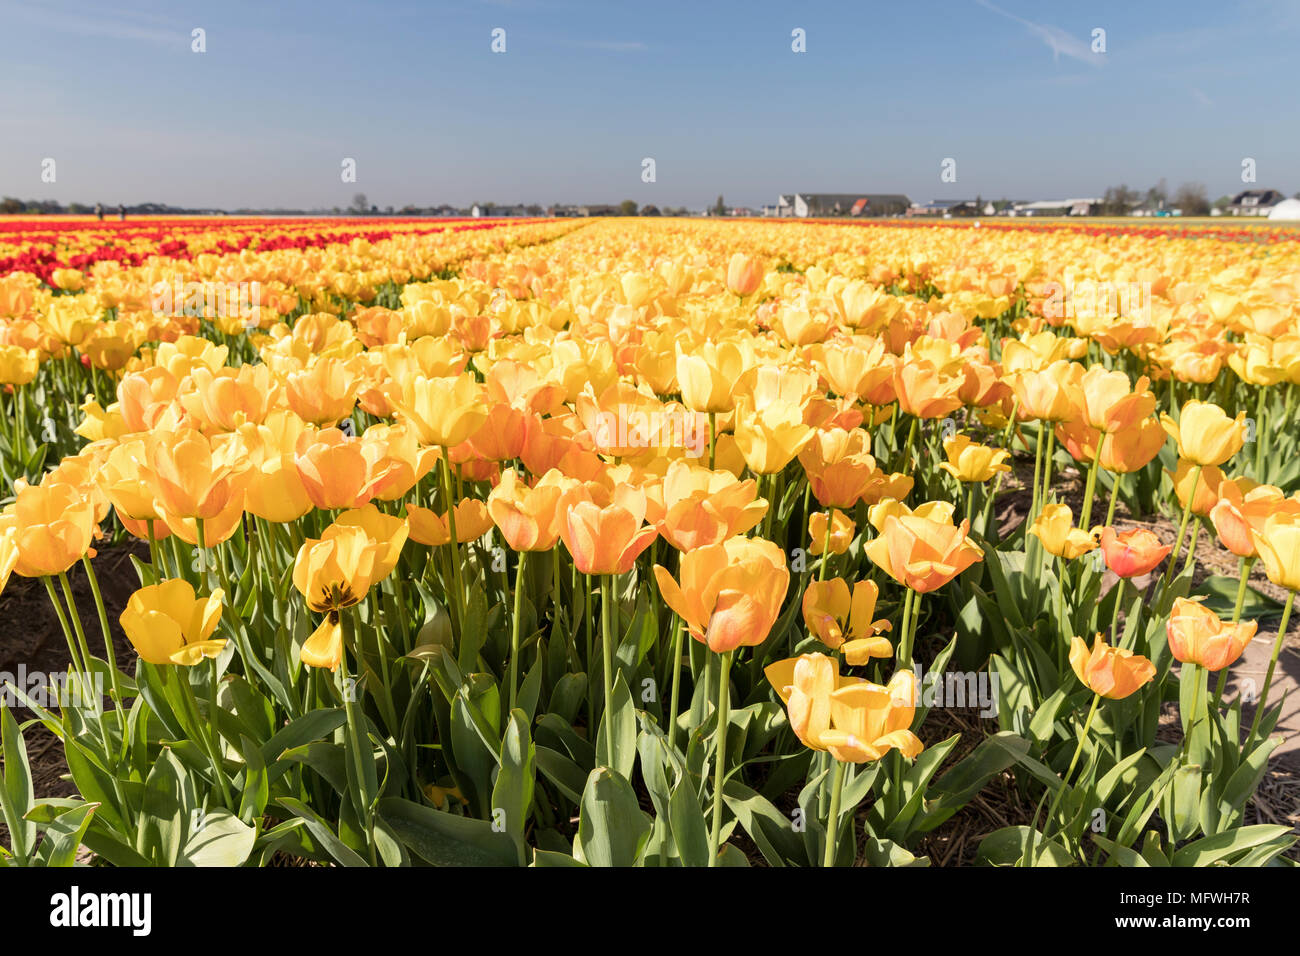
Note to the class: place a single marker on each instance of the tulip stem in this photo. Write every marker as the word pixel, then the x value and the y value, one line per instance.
pixel 1065 781
pixel 833 821
pixel 80 632
pixel 1090 490
pixel 1114 498
pixel 1038 473
pixel 1272 665
pixel 720 754
pixel 1244 565
pixel 516 621
pixel 1261 411
pixel 74 655
pixel 458 598
pixel 911 608
pixel 203 731
pixel 676 664
pixel 1182 529
pixel 109 646
pixel 907 447
pixel 826 546
pixel 713 437
pixel 607 657
pixel 1047 464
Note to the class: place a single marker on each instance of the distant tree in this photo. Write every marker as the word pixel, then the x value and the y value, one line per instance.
pixel 720 207
pixel 1191 199
pixel 10 206
pixel 1223 202
pixel 388 210
pixel 1119 200
pixel 1158 195
pixel 360 203
pixel 627 208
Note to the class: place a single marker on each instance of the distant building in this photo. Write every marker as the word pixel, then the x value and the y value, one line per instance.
pixel 1254 202
pixel 1057 207
pixel 829 205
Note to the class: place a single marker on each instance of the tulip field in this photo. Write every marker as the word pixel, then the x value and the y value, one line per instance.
pixel 649 542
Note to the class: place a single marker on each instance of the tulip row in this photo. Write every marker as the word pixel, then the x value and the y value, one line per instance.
pixel 668 515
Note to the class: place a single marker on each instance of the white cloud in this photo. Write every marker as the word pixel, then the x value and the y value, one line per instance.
pixel 1057 40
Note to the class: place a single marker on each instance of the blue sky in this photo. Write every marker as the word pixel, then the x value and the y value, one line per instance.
pixel 710 90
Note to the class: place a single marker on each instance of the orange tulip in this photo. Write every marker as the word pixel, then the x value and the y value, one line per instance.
pixel 1132 553
pixel 744 274
pixel 1112 672
pixel 703 507
pixel 192 477
pixel 603 529
pixel 1110 404
pixel 430 528
pixel 921 553
pixel 843 620
pixel 842 532
pixel 968 461
pixel 52 526
pixel 1243 506
pixel 338 471
pixel 730 594
pixel 1206 484
pixel 1198 636
pixel 528 518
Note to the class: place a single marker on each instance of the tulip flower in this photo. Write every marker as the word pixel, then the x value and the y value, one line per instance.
pixel 744 274
pixel 1110 403
pixel 333 574
pixel 836 538
pixel 167 624
pixel 730 594
pixel 868 721
pixel 1198 636
pixel 341 472
pixel 805 685
pixel 839 466
pixel 603 529
pixel 1054 528
pixel 52 526
pixel 192 477
pixel 1110 672
pixel 528 518
pixel 968 461
pixel 923 554
pixel 707 375
pixel 841 620
pixel 1278 544
pixel 704 507
pixel 769 437
pixel 1205 434
pixel 429 528
pixel 443 411
pixel 1132 553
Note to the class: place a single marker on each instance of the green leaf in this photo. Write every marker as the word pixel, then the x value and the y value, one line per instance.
pixel 222 840
pixel 17 795
pixel 321 831
pixel 1006 846
pixel 512 794
pixel 1214 849
pixel 616 739
pixel 63 835
pixel 613 830
pixel 690 833
pixel 445 839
